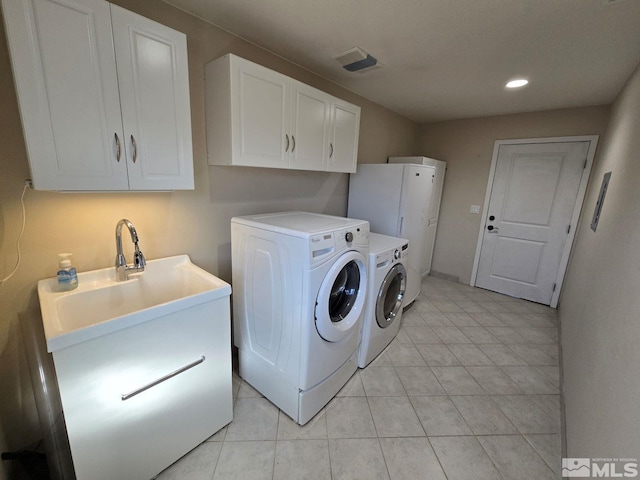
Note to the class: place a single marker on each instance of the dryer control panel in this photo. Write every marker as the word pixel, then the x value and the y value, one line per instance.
pixel 392 256
pixel 404 252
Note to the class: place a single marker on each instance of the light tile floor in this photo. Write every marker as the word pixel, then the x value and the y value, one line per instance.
pixel 467 390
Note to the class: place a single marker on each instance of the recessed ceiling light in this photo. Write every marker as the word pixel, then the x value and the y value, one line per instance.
pixel 520 82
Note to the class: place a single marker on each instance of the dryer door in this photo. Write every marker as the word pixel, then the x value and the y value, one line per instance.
pixel 341 297
pixel 390 296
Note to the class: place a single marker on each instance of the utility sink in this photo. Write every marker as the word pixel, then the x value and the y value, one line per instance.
pixel 101 305
pixel 143 366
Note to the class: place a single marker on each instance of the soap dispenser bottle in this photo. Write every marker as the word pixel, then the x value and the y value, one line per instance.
pixel 67 275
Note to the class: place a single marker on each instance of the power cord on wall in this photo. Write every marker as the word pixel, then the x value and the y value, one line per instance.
pixel 27 184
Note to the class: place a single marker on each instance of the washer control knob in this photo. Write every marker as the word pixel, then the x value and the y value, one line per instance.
pixel 396 254
pixel 349 237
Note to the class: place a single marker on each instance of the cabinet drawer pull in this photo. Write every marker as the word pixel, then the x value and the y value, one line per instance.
pixel 286 149
pixel 294 143
pixel 331 154
pixel 135 148
pixel 117 147
pixel 127 396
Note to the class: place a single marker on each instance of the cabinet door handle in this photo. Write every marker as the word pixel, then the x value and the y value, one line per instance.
pixel 135 149
pixel 286 149
pixel 331 153
pixel 127 396
pixel 118 149
pixel 294 143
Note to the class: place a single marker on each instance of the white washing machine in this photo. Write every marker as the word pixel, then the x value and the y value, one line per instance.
pixel 387 284
pixel 299 288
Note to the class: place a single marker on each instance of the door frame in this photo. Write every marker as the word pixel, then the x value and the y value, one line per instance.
pixel 564 260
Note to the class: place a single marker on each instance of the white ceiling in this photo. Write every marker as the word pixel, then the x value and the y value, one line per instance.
pixel 450 59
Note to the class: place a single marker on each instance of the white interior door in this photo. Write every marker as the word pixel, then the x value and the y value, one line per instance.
pixel 527 224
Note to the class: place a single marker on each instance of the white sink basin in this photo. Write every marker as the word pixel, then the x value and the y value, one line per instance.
pixel 101 305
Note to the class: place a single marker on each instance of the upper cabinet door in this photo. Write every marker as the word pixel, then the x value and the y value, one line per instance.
pixel 310 119
pixel 64 70
pixel 154 97
pixel 345 131
pixel 260 116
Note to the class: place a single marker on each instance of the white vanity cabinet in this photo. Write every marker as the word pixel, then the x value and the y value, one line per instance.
pixel 138 399
pixel 260 118
pixel 103 96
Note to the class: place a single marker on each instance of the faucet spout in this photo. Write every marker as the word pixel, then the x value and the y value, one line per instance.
pixel 122 269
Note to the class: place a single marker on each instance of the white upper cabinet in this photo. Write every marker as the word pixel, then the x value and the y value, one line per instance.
pixel 99 115
pixel 260 118
pixel 343 148
pixel 153 76
pixel 310 121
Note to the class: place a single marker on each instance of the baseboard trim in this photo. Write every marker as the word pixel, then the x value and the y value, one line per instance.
pixel 445 276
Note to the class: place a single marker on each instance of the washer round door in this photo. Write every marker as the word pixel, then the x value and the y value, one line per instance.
pixel 390 295
pixel 341 297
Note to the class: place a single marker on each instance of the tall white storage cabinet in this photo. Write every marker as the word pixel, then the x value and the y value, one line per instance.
pixel 436 197
pixel 257 117
pixel 395 199
pixel 103 96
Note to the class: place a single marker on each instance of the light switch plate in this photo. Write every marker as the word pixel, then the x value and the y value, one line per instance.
pixel 475 209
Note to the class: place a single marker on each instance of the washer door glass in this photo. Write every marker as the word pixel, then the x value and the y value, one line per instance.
pixel 341 297
pixel 390 296
pixel 344 292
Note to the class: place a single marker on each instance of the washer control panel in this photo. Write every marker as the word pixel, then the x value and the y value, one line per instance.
pixel 326 243
pixel 351 236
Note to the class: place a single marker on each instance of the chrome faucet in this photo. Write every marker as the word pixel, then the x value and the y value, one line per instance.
pixel 122 269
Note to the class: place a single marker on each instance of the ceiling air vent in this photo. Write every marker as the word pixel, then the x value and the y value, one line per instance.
pixel 357 60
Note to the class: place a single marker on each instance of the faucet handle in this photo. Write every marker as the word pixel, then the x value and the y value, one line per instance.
pixel 138 259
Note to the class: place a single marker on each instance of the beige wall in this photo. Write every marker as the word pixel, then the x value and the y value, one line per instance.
pixel 600 305
pixel 193 222
pixel 467 147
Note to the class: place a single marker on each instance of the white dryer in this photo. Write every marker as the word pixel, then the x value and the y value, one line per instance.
pixel 387 284
pixel 300 281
